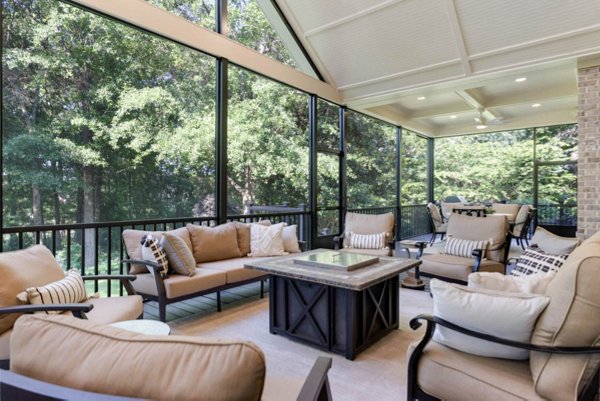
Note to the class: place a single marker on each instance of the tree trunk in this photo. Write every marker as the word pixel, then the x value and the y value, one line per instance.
pixel 38 218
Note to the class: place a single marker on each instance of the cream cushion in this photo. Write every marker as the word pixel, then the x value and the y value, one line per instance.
pixel 180 256
pixel 243 234
pixel 491 228
pixel 520 220
pixel 177 285
pixel 456 267
pixel 69 290
pixel 369 224
pixel 506 315
pixel 290 239
pixel 452 375
pixel 234 268
pixel 133 238
pixel 5 344
pixel 106 357
pixel 552 243
pixel 214 243
pixel 571 319
pixel 510 209
pixel 266 240
pixel 532 284
pixel 19 270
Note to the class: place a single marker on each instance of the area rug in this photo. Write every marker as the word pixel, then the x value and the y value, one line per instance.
pixel 378 373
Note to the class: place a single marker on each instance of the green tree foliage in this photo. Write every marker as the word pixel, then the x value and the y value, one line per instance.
pixel 413 169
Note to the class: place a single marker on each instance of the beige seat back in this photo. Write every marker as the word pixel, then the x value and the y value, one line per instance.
pixel 571 319
pixel 447 207
pixel 19 270
pixel 434 212
pixel 360 223
pixel 98 358
pixel 521 219
pixel 491 228
pixel 511 209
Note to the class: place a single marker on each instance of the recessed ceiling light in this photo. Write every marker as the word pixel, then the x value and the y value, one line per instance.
pixel 421 98
pixel 522 79
pixel 453 117
pixel 481 126
pixel 536 105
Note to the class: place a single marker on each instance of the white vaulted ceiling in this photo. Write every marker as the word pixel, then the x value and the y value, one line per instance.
pixel 463 56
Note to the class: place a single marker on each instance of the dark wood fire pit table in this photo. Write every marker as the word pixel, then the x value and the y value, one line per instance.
pixel 339 311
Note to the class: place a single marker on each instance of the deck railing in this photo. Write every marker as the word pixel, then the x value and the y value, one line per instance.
pixel 414 221
pixel 557 215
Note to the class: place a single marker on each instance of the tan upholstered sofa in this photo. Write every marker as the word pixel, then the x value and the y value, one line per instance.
pixel 555 371
pixel 220 253
pixel 93 358
pixel 35 267
pixel 493 229
pixel 360 223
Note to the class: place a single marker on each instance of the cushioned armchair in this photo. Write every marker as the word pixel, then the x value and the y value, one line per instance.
pixel 564 355
pixel 509 209
pixel 437 222
pixel 36 267
pixel 451 267
pixel 99 362
pixel 367 224
pixel 520 229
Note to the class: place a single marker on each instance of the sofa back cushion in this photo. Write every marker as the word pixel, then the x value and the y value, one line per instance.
pixel 491 228
pixel 214 243
pixel 164 367
pixel 133 238
pixel 19 270
pixel 360 223
pixel 571 319
pixel 552 243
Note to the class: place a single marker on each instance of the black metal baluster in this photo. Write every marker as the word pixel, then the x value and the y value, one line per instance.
pixel 96 256
pixel 120 259
pixel 83 251
pixel 108 260
pixel 53 233
pixel 20 240
pixel 69 249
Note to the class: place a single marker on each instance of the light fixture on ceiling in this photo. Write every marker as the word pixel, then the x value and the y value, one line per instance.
pixel 421 98
pixel 522 79
pixel 452 117
pixel 536 105
pixel 481 124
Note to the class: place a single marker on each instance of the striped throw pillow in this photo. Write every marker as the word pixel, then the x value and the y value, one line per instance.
pixel 69 290
pixel 534 260
pixel 152 252
pixel 463 247
pixel 366 241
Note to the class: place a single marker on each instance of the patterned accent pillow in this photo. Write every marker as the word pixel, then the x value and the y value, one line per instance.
pixel 534 260
pixel 266 240
pixel 152 252
pixel 366 241
pixel 463 247
pixel 69 290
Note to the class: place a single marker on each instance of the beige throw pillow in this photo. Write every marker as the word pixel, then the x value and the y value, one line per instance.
pixel 532 284
pixel 266 240
pixel 133 238
pixel 214 243
pixel 180 256
pixel 243 234
pixel 69 290
pixel 290 239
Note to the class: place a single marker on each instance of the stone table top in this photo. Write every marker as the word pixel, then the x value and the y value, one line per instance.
pixel 357 280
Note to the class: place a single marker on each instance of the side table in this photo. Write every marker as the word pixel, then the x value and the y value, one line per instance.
pixel 413 280
pixel 148 327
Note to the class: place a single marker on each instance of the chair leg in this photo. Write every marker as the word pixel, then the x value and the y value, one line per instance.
pixel 432 238
pixel 262 289
pixel 162 312
pixel 442 237
pixel 522 244
pixel 526 241
pixel 218 301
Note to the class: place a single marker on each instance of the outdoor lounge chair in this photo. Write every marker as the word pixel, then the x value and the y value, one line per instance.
pixel 436 219
pixel 367 224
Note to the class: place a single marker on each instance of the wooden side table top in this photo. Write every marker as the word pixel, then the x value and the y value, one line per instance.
pixel 149 327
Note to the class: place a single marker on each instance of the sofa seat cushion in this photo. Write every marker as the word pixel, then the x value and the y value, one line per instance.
pixel 119 362
pixel 450 375
pixel 177 285
pixel 5 344
pixel 115 309
pixel 456 267
pixel 234 268
pixel 373 252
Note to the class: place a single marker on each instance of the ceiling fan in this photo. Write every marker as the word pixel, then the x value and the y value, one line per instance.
pixel 482 122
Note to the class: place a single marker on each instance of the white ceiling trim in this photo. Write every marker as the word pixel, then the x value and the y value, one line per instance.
pixel 458 36
pixel 350 18
pixel 536 42
pixel 401 74
pixel 473 98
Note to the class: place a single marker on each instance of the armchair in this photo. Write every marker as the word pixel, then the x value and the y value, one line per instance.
pixel 520 229
pixel 35 267
pixel 564 348
pixel 457 268
pixel 99 362
pixel 360 223
pixel 436 219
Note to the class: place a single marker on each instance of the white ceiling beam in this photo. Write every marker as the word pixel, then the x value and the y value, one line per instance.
pixel 350 18
pixel 473 98
pixel 458 36
pixel 440 111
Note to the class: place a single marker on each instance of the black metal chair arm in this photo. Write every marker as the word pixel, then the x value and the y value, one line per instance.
pixel 478 255
pixel 126 277
pixel 316 385
pixel 303 245
pixel 78 310
pixel 338 242
pixel 433 320
pixel 154 265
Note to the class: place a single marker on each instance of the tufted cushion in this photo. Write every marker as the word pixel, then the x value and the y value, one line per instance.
pixel 19 270
pixel 571 319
